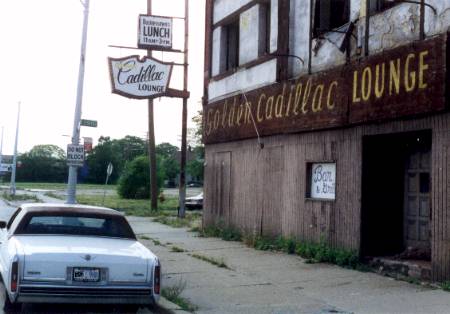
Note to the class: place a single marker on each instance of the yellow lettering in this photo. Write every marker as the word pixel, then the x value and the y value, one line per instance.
pixel 289 101
pixel 366 85
pixel 269 108
pixel 410 78
pixel 231 115
pixel 355 87
pixel 422 68
pixel 317 105
pixel 379 87
pixel 330 105
pixel 224 115
pixel 394 76
pixel 306 96
pixel 248 106
pixel 208 122
pixel 216 119
pixel 259 116
pixel 298 96
pixel 240 113
pixel 280 103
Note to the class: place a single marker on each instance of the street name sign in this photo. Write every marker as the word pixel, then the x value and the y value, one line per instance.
pixel 89 123
pixel 139 78
pixel 75 155
pixel 155 32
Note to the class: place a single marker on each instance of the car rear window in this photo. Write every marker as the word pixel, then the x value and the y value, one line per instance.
pixel 116 227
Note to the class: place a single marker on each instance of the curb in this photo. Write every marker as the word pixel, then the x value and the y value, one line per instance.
pixel 172 307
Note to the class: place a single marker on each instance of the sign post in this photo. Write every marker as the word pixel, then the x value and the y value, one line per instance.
pixel 72 180
pixel 109 171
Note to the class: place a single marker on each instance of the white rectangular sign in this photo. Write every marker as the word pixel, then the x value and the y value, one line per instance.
pixel 323 181
pixel 75 155
pixel 139 78
pixel 5 167
pixel 155 32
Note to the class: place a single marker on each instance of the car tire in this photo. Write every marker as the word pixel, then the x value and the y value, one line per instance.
pixel 10 308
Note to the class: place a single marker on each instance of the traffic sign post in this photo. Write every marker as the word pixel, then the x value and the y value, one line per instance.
pixel 75 155
pixel 109 171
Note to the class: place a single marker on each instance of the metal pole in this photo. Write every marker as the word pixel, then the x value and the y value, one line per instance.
pixel 151 139
pixel 12 188
pixel 181 212
pixel 72 180
pixel 422 20
pixel 1 151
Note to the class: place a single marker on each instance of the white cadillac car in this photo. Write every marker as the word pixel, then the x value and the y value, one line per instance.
pixel 58 253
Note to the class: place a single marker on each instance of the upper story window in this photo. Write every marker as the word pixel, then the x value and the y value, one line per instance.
pixel 330 14
pixel 230 46
pixel 376 6
pixel 264 28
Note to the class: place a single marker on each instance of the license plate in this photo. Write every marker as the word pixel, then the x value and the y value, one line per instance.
pixel 86 274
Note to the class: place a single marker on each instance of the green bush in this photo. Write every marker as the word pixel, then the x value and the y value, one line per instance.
pixel 134 183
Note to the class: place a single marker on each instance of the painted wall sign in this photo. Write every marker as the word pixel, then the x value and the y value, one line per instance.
pixel 135 78
pixel 155 32
pixel 323 181
pixel 401 82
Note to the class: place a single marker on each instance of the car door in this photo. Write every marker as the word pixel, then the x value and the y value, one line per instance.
pixel 4 239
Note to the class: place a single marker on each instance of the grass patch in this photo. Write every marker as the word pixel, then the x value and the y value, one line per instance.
pixel 60 186
pixel 54 195
pixel 177 249
pixel 219 231
pixel 20 197
pixel 131 207
pixel 219 262
pixel 143 237
pixel 173 294
pixel 191 219
pixel 312 252
pixel 446 286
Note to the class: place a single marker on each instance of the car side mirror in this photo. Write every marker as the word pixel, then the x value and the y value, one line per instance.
pixel 2 224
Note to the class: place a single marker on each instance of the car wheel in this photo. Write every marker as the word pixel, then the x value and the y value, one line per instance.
pixel 10 308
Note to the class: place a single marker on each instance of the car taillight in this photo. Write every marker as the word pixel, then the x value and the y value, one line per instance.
pixel 157 280
pixel 14 276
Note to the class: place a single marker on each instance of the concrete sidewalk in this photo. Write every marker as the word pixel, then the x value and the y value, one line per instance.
pixel 268 282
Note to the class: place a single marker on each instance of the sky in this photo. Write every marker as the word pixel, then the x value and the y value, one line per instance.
pixel 40 52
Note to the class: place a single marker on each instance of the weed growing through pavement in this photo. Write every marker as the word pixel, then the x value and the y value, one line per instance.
pixel 446 286
pixel 312 252
pixel 143 237
pixel 177 249
pixel 173 294
pixel 21 197
pixel 215 261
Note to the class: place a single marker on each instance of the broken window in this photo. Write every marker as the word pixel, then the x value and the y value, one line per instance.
pixel 330 14
pixel 264 28
pixel 376 6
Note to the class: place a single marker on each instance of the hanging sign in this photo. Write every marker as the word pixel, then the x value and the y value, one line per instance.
pixel 155 32
pixel 135 78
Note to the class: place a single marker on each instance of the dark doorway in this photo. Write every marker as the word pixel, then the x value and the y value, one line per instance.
pixel 395 193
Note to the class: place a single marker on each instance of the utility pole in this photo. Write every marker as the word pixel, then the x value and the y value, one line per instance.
pixel 181 212
pixel 1 151
pixel 151 139
pixel 72 180
pixel 12 187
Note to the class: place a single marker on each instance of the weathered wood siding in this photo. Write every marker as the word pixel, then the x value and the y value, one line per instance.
pixel 267 186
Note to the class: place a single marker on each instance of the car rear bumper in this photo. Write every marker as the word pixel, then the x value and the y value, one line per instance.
pixel 84 294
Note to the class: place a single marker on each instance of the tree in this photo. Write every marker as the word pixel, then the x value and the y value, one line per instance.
pixel 43 163
pixel 170 164
pixel 118 152
pixel 134 183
